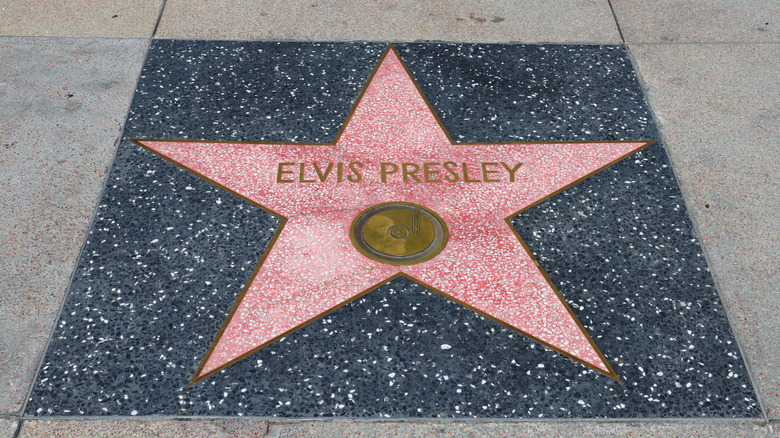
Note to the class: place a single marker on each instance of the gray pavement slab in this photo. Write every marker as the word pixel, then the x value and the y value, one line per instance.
pixel 517 429
pixel 215 428
pixel 8 427
pixel 406 20
pixel 113 18
pixel 717 106
pixel 698 20
pixel 62 106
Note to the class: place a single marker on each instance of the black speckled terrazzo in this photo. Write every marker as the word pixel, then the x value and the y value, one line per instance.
pixel 168 253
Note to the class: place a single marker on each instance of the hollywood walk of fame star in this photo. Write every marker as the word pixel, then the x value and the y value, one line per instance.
pixel 313 265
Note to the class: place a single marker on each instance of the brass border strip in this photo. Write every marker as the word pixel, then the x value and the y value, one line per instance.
pixel 196 378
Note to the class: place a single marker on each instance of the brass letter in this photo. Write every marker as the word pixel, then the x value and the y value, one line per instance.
pixel 428 172
pixel 485 172
pixel 302 178
pixel 322 176
pixel 466 175
pixel 353 166
pixel 449 167
pixel 512 171
pixel 385 172
pixel 281 172
pixel 411 173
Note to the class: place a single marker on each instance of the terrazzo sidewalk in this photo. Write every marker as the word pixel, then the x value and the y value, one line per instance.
pixel 123 257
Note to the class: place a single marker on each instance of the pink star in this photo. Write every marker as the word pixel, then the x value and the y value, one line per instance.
pixel 312 266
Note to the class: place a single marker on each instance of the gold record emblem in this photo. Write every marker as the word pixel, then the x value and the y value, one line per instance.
pixel 399 233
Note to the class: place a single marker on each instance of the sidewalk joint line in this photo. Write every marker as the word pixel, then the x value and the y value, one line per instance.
pixel 527 43
pixel 617 24
pixel 159 18
pixel 701 43
pixel 18 430
pixel 404 420
pixel 82 37
pixel 391 41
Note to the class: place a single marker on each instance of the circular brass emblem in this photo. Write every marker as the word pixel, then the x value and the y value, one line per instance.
pixel 399 233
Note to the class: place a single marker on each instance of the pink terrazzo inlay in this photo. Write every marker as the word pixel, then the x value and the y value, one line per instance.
pixel 313 266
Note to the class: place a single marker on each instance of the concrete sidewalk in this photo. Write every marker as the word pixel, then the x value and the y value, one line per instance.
pixel 67 75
